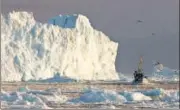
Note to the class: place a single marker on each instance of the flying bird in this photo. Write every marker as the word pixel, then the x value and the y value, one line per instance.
pixel 139 21
pixel 153 34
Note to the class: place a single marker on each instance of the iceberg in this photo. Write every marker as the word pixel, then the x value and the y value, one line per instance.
pixel 70 46
pixel 162 73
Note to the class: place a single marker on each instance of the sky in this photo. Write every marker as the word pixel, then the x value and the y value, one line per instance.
pixel 155 38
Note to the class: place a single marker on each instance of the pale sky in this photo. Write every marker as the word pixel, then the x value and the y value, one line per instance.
pixel 118 20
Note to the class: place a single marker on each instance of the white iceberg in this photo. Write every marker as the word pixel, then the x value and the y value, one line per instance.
pixel 70 46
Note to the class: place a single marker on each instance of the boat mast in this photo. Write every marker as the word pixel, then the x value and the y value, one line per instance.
pixel 140 70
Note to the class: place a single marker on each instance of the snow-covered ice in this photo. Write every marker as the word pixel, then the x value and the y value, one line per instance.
pixel 69 46
pixel 144 98
pixel 26 98
pixel 154 98
pixel 99 96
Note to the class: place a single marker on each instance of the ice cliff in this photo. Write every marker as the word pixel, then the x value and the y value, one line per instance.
pixel 67 45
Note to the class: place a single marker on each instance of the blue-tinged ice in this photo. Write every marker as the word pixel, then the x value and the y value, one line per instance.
pixel 64 21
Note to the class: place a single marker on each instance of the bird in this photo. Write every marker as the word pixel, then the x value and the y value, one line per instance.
pixel 139 21
pixel 153 34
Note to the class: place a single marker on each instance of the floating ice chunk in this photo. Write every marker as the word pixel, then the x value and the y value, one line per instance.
pixel 99 96
pixel 139 97
pixel 162 73
pixel 135 96
pixel 24 98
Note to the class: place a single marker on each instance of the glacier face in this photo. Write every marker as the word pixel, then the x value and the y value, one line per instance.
pixel 32 50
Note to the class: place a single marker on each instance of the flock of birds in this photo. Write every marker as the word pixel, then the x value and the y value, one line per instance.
pixel 140 21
